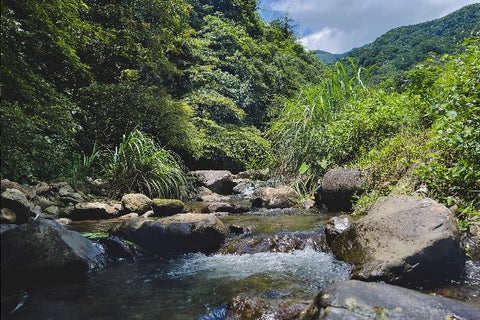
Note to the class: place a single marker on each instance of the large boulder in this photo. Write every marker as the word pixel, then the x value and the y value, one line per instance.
pixel 167 207
pixel 136 202
pixel 175 235
pixel 279 197
pixel 18 205
pixel 94 211
pixel 218 181
pixel 43 248
pixel 353 299
pixel 338 187
pixel 403 240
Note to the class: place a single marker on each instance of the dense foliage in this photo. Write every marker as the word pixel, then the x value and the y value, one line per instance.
pixel 427 134
pixel 198 76
pixel 401 48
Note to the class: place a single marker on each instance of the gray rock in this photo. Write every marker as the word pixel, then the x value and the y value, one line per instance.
pixel 63 221
pixel 136 202
pixel 353 299
pixel 279 197
pixel 471 241
pixel 244 307
pixel 93 211
pixel 403 240
pixel 219 181
pixel 175 235
pixel 228 207
pixel 53 211
pixel 130 215
pixel 148 214
pixel 167 207
pixel 29 192
pixel 7 216
pixel 280 242
pixel 338 187
pixel 16 201
pixel 43 248
pixel 43 202
pixel 336 226
pixel 118 249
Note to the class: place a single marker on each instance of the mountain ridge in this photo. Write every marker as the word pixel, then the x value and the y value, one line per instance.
pixel 400 48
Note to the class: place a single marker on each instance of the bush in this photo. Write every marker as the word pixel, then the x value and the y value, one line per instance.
pixel 139 164
pixel 215 107
pixel 110 111
pixel 298 132
pixel 231 147
pixel 453 169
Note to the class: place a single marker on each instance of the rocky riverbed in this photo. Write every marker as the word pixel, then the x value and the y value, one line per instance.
pixel 241 249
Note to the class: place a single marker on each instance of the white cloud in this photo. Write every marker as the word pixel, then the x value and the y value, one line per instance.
pixel 339 25
pixel 331 36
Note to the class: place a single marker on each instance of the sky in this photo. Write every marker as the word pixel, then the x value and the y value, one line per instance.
pixel 337 26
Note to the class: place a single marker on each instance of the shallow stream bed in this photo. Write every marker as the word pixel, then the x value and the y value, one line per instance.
pixel 193 285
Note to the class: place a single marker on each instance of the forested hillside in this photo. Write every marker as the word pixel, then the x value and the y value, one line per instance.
pixel 200 77
pixel 401 48
pixel 138 91
pixel 327 57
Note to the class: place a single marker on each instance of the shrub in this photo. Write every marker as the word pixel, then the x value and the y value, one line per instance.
pixel 215 107
pixel 231 147
pixel 139 164
pixel 296 134
pixel 111 110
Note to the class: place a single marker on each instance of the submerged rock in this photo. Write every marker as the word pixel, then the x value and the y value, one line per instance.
pixel 281 242
pixel 175 235
pixel 167 207
pixel 118 249
pixel 43 248
pixel 279 197
pixel 403 240
pixel 353 299
pixel 338 187
pixel 242 307
pixel 218 181
pixel 136 202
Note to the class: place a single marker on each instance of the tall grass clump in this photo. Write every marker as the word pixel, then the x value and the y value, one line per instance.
pixel 139 164
pixel 84 165
pixel 296 134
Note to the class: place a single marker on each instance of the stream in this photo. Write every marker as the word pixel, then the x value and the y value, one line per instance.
pixel 194 285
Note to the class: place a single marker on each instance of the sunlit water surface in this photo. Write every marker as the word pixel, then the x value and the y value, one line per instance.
pixel 184 288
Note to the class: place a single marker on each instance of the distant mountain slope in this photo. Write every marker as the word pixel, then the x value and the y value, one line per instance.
pixel 327 57
pixel 401 48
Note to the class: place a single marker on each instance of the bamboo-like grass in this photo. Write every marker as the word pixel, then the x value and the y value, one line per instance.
pixel 296 134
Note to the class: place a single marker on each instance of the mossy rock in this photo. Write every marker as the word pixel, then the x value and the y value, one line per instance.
pixel 167 207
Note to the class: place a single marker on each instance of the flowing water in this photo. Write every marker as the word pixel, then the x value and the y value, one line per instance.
pixel 183 288
pixel 195 284
pixel 191 285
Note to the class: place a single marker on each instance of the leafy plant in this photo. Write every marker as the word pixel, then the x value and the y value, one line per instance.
pixel 139 164
pixel 84 165
pixel 297 134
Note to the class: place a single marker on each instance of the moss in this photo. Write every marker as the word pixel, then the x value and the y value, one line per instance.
pixel 168 202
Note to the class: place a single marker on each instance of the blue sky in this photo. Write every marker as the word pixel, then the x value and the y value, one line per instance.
pixel 340 25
